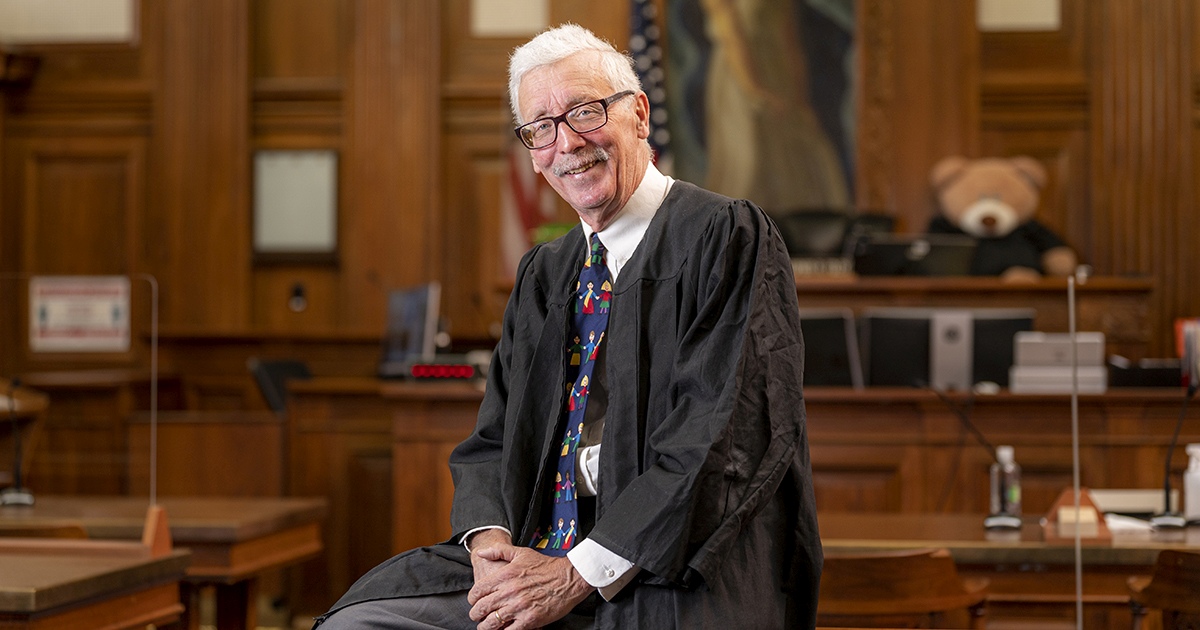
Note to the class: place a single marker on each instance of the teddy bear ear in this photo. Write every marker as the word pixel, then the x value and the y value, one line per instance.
pixel 1031 169
pixel 947 169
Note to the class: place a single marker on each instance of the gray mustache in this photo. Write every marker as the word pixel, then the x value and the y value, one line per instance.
pixel 586 156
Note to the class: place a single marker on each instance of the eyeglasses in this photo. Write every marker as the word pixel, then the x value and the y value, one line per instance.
pixel 583 118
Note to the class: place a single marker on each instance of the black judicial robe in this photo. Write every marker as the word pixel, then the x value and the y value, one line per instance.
pixel 705 480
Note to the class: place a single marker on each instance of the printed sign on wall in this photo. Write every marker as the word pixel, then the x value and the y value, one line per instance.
pixel 79 314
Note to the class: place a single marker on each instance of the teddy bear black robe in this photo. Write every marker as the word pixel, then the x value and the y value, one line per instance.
pixel 705 480
pixel 1023 247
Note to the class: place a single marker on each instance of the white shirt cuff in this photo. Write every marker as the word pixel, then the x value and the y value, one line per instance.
pixel 587 467
pixel 467 536
pixel 601 568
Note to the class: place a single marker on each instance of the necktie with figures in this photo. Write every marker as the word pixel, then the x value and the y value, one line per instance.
pixel 593 296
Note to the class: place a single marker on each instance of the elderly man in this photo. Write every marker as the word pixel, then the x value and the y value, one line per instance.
pixel 658 475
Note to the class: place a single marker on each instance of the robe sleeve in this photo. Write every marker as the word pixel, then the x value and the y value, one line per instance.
pixel 736 415
pixel 475 464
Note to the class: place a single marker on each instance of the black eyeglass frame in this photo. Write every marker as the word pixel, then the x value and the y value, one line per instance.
pixel 563 118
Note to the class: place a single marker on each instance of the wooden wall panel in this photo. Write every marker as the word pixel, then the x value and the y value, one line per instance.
pixel 389 232
pixel 207 454
pixel 81 205
pixel 299 39
pixel 917 104
pixel 472 67
pixel 203 164
pixel 1039 58
pixel 1142 165
pixel 80 214
pixel 9 333
pixel 274 287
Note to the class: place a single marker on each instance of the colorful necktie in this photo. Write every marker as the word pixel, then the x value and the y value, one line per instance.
pixel 593 295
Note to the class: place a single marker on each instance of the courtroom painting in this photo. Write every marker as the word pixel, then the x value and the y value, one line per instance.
pixel 761 99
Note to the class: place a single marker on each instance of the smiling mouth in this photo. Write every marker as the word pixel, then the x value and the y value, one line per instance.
pixel 585 161
pixel 576 171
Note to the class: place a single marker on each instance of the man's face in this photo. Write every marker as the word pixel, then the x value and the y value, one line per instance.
pixel 598 171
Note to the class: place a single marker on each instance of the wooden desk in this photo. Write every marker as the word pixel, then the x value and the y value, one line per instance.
pixel 1032 582
pixel 232 541
pixel 86 591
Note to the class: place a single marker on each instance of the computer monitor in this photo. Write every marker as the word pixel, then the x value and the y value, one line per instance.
pixel 895 342
pixel 831 348
pixel 412 322
pixel 880 254
pixel 995 330
pixel 919 347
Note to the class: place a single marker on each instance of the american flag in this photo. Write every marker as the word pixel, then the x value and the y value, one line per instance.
pixel 648 61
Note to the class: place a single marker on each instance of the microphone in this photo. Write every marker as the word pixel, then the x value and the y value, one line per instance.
pixel 962 412
pixel 1000 520
pixel 1190 340
pixel 17 494
pixel 1168 518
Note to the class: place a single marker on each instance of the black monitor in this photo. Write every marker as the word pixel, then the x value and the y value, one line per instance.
pixel 898 344
pixel 831 348
pixel 881 254
pixel 895 345
pixel 995 330
pixel 412 320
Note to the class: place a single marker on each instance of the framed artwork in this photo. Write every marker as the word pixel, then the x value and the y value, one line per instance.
pixel 761 99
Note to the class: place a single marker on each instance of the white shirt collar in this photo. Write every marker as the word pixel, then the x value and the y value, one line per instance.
pixel 622 236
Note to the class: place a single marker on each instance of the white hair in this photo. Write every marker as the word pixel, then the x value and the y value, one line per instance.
pixel 556 44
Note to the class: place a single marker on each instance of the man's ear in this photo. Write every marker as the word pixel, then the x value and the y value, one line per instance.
pixel 642 109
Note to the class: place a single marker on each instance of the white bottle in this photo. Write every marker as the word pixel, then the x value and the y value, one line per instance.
pixel 1191 484
pixel 1006 484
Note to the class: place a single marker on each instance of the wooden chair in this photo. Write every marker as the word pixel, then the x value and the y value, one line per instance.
pixel 1173 588
pixel 898 589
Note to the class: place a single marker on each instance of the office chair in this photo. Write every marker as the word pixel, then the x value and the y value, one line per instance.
pixel 272 377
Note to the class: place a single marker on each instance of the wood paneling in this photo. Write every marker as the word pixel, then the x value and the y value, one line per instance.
pixel 207 454
pixel 299 39
pixel 80 201
pixel 201 148
pixel 389 233
pixel 273 291
pixel 83 447
pixel 1143 207
pixel 81 207
pixel 917 104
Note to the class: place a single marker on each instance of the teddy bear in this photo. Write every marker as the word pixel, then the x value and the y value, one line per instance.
pixel 994 200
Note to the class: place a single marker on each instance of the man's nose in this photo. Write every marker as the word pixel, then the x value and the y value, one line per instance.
pixel 568 137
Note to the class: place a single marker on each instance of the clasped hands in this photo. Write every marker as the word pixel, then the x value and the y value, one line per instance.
pixel 517 587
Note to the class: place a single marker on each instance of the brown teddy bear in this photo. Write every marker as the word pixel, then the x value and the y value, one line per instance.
pixel 994 200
